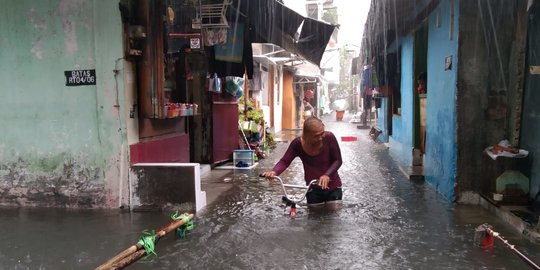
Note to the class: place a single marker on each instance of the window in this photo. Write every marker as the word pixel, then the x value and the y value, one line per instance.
pixel 394 80
pixel 388 79
pixel 170 57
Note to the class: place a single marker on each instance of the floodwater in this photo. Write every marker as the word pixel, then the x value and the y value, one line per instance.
pixel 386 222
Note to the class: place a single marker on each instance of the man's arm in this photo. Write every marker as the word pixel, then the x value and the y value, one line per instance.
pixel 335 154
pixel 287 158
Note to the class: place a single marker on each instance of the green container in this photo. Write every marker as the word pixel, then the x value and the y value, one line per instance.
pixel 512 179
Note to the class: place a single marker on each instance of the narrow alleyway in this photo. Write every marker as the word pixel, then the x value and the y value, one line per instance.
pixel 386 222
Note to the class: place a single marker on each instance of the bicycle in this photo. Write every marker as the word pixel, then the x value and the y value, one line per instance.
pixel 291 201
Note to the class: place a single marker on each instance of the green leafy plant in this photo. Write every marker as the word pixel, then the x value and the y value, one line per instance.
pixel 253 114
pixel 270 142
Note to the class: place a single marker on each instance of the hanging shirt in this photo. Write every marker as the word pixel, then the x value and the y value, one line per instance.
pixel 233 50
pixel 366 77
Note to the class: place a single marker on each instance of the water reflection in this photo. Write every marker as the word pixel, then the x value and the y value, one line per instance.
pixel 385 222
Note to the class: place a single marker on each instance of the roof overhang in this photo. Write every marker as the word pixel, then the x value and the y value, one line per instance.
pixel 307 69
pixel 272 22
pixel 271 54
pixel 399 17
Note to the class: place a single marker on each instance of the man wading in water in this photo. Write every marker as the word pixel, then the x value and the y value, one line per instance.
pixel 321 157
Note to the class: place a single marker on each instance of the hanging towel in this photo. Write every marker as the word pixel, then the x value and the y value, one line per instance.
pixel 217 36
pixel 233 50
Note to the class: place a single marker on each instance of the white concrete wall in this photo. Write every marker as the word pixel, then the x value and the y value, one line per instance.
pixel 278 99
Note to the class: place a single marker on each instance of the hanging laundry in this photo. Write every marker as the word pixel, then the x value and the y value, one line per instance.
pixel 215 36
pixel 233 50
pixel 214 83
pixel 366 78
pixel 234 86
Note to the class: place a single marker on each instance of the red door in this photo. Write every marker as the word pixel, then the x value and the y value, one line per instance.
pixel 225 129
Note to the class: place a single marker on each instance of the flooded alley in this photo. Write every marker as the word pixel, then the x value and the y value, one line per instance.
pixel 119 116
pixel 386 222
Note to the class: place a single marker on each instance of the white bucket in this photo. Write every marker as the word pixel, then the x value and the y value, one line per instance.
pixel 497 197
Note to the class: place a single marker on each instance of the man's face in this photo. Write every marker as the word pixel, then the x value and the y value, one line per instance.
pixel 317 135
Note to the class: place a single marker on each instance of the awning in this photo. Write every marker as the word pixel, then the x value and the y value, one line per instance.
pixel 272 22
pixel 313 39
pixel 307 69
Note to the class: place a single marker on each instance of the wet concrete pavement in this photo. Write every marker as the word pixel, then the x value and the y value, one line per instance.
pixel 386 222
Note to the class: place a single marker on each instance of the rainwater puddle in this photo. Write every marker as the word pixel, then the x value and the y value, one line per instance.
pixel 385 222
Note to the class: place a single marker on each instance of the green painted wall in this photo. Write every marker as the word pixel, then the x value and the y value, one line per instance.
pixel 59 145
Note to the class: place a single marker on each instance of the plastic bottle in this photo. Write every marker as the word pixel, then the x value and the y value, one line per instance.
pixel 182 109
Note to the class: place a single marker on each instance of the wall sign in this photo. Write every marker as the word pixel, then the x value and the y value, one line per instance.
pixel 195 43
pixel 448 63
pixel 80 77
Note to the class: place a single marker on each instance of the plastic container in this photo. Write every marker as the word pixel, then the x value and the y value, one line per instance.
pixel 182 109
pixel 166 110
pixel 339 115
pixel 243 158
pixel 497 197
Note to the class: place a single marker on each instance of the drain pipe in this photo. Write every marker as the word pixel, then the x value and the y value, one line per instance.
pixel 487 241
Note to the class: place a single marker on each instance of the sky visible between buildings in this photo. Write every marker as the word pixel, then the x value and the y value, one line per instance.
pixel 352 15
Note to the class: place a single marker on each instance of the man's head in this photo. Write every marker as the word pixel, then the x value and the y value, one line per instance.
pixel 313 132
pixel 422 83
pixel 422 78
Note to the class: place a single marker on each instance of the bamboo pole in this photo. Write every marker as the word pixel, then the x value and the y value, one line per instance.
pixel 128 260
pixel 512 247
pixel 135 252
pixel 108 264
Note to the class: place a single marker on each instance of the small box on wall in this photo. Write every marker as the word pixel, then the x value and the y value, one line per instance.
pixel 448 63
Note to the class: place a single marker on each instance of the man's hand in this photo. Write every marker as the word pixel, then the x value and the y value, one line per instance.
pixel 323 181
pixel 268 174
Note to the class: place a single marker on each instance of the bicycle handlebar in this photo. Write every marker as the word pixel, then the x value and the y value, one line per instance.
pixel 286 196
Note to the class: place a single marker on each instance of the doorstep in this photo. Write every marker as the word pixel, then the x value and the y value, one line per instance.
pixel 413 173
pixel 231 166
pixel 205 168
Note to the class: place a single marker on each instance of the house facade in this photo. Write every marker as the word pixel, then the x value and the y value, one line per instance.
pixel 108 104
pixel 473 56
pixel 69 145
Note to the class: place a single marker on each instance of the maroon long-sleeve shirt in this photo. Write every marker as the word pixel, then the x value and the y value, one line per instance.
pixel 325 163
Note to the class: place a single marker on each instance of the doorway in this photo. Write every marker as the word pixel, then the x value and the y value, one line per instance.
pixel 530 125
pixel 420 93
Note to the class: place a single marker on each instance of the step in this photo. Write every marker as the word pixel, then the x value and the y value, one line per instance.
pixel 205 168
pixel 413 173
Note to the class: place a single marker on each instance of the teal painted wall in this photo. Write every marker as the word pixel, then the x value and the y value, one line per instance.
pixel 441 145
pixel 60 146
pixel 382 117
pixel 401 141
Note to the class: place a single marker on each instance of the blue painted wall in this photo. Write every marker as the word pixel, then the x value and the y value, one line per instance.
pixel 441 147
pixel 382 112
pixel 382 117
pixel 401 141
